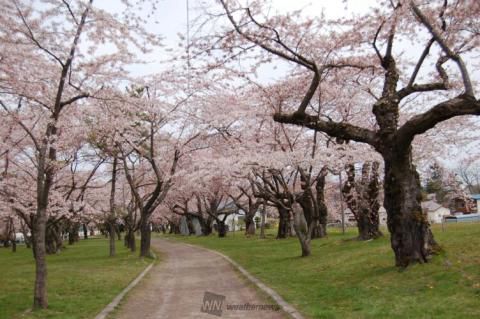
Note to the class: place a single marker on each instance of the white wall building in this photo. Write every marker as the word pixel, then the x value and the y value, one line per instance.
pixel 238 220
pixel 435 212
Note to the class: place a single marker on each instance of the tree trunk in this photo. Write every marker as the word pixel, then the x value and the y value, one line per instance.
pixel 33 242
pixel 85 231
pixel 373 218
pixel 206 226
pixel 249 225
pixel 14 246
pixel 308 210
pixel 38 234
pixel 176 229
pixel 321 228
pixel 111 236
pixel 262 222
pixel 306 201
pixel 50 241
pixel 112 218
pixel 131 242
pixel 145 233
pixel 301 229
pixel 59 239
pixel 191 229
pixel 368 225
pixel 53 238
pixel 28 239
pixel 362 199
pixel 284 223
pixel 411 237
pixel 71 234
pixel 318 231
pixel 222 229
pixel 12 234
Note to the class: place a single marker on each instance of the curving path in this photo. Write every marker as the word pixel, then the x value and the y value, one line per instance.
pixel 175 288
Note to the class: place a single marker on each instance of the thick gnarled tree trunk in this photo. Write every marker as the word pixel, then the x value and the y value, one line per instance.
pixel 411 237
pixel 362 199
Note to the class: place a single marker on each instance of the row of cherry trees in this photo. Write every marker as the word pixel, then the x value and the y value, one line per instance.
pixel 364 62
pixel 84 144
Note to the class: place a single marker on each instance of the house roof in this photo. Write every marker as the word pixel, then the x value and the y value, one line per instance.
pixel 431 206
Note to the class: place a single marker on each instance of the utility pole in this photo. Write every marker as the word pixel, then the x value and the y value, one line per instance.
pixel 341 202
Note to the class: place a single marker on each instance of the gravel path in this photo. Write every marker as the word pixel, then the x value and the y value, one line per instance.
pixel 176 287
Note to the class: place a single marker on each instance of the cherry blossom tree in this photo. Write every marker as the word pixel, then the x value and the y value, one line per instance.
pixel 249 204
pixel 364 62
pixel 47 69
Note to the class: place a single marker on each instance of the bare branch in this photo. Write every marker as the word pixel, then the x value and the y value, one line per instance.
pixel 467 83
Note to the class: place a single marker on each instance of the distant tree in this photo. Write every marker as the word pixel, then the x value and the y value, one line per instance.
pixel 249 204
pixel 435 182
pixel 469 172
pixel 362 199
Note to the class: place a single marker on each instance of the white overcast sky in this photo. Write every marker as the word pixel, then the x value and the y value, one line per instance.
pixel 171 18
pixel 172 14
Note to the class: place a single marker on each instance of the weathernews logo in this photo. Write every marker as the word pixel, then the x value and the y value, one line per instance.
pixel 213 305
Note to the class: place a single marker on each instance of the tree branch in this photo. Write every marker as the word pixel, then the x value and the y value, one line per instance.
pixel 461 105
pixel 339 130
pixel 74 99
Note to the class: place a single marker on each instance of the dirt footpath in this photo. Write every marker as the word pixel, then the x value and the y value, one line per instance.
pixel 191 282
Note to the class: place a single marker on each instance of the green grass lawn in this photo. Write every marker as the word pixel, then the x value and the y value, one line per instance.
pixel 350 279
pixel 82 280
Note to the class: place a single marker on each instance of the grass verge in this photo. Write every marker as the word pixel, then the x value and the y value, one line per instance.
pixel 350 279
pixel 82 280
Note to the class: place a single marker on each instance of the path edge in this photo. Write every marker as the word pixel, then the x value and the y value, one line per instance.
pixel 116 301
pixel 286 307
